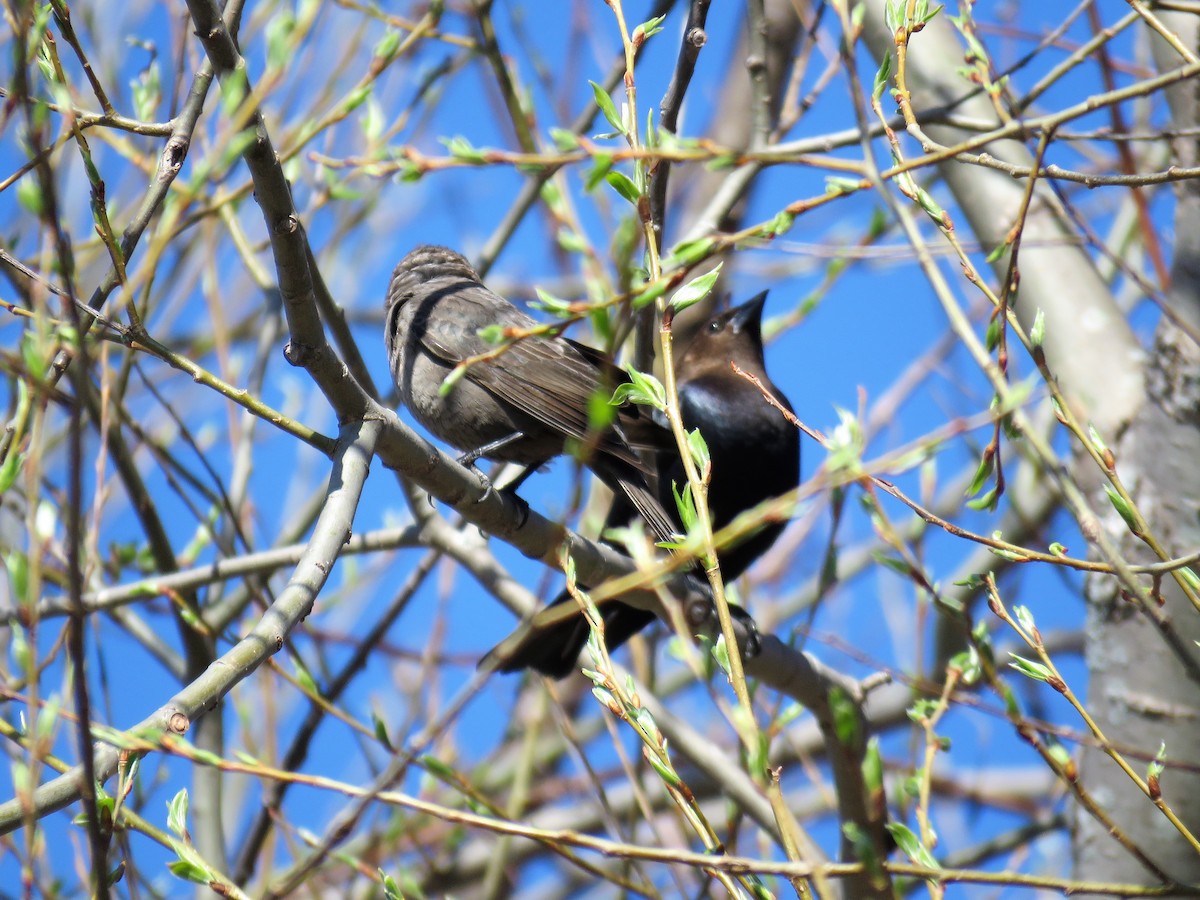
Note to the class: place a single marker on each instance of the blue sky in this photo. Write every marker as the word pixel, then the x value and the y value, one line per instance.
pixel 877 319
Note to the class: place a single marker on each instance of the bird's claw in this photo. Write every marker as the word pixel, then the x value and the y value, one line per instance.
pixel 522 507
pixel 752 644
pixel 702 612
pixel 509 491
pixel 488 487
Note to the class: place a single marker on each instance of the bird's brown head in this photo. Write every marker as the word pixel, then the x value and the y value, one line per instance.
pixel 735 334
pixel 425 263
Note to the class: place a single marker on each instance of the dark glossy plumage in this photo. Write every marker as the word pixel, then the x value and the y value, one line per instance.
pixel 536 393
pixel 755 455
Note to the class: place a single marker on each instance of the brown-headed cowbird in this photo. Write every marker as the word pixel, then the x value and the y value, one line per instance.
pixel 519 403
pixel 755 454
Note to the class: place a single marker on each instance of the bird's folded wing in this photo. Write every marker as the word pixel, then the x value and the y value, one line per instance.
pixel 549 379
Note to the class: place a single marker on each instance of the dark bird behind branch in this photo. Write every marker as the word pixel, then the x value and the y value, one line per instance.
pixel 755 454
pixel 519 403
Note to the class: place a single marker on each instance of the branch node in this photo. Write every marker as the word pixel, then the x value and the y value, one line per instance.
pixel 301 355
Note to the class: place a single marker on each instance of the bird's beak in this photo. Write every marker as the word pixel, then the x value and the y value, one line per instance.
pixel 748 316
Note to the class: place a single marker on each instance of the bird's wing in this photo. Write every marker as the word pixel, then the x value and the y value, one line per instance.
pixel 634 423
pixel 552 380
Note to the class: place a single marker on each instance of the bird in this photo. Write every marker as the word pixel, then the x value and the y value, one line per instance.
pixel 755 454
pixel 518 403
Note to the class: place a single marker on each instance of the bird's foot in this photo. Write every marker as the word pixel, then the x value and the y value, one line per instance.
pixel 520 503
pixel 752 643
pixel 701 615
pixel 508 491
pixel 471 457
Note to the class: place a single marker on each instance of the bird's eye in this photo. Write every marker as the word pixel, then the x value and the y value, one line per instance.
pixel 716 327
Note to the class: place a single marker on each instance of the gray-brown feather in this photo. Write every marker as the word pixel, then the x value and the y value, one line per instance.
pixel 539 386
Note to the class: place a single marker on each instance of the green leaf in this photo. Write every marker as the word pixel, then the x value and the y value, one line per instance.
pixel 550 194
pixel 986 466
pixel 688 253
pixel 391 890
pixel 546 302
pixel 233 91
pixel 651 293
pixel 720 654
pixel 858 14
pixel 564 140
pixel 988 501
pixel 969 664
pixel 188 871
pixel 760 754
pixel 439 769
pixel 624 186
pixel 29 195
pixel 601 166
pixel 845 444
pixel 238 144
pixel 604 695
pixel 147 92
pixel 462 149
pixel 1000 249
pixel 306 681
pixel 357 98
pixel 882 76
pixel 698 448
pixel 492 334
pixel 1037 334
pixel 1059 753
pixel 837 184
pixel 386 46
pixel 644 719
pixel 649 28
pixel 1189 577
pixel 664 770
pixel 932 208
pixel 10 469
pixel 922 709
pixel 686 504
pixel 606 105
pixel 872 766
pixel 408 171
pixel 47 719
pixel 116 873
pixel 17 564
pixel 846 723
pixel 1123 508
pixel 781 224
pixel 177 810
pixel 1034 670
pixel 992 338
pixel 571 241
pixel 600 412
pixel 911 846
pixel 372 124
pixel 894 563
pixel 643 389
pixel 451 380
pixel 695 290
pixel 279 31
pixel 1158 764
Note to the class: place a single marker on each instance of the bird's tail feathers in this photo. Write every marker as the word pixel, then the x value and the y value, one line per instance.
pixel 550 643
pixel 660 521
